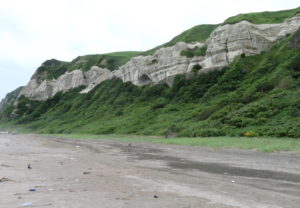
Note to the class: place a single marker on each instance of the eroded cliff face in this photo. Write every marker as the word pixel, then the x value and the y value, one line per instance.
pixel 160 67
pixel 37 90
pixel 224 44
pixel 229 41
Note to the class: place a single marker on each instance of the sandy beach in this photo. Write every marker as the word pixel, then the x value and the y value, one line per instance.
pixel 73 173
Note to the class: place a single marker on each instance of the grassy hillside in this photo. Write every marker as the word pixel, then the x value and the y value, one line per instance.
pixel 254 96
pixel 201 32
pixel 197 33
pixel 264 17
pixel 110 60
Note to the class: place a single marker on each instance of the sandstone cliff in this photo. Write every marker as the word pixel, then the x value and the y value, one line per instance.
pixel 224 44
pixel 41 90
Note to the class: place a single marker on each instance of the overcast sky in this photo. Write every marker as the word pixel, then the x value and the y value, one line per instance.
pixel 32 31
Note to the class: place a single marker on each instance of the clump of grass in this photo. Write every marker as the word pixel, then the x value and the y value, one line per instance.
pixel 191 53
pixel 152 62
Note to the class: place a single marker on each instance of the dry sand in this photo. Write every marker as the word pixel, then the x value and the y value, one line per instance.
pixel 101 173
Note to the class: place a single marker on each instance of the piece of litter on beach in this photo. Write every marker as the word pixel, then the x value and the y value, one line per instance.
pixel 32 189
pixel 51 189
pixel 26 204
pixel 233 181
pixel 77 146
pixel 2 180
pixel 72 158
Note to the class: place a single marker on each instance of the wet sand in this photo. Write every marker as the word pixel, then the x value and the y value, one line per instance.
pixel 101 173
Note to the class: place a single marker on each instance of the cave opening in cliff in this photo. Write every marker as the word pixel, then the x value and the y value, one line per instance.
pixel 144 80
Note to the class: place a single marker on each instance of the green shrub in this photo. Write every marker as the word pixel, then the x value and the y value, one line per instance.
pixel 190 53
pixel 196 68
pixel 153 61
pixel 249 134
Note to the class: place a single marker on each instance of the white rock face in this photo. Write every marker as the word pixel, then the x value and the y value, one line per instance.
pixel 224 44
pixel 30 88
pixel 228 41
pixel 164 64
pixel 95 76
pixel 69 80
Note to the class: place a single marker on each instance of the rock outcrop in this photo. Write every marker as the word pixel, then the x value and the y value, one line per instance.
pixel 41 90
pixel 228 41
pixel 224 44
pixel 162 66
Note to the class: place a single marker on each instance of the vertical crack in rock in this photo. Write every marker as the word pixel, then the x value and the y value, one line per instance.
pixel 226 50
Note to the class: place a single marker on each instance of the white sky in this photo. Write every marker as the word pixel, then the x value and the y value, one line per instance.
pixel 32 31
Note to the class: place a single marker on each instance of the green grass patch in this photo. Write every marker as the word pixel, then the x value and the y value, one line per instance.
pixel 198 33
pixel 259 144
pixel 196 52
pixel 264 17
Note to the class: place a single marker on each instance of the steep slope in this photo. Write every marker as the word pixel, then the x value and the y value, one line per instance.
pixel 255 95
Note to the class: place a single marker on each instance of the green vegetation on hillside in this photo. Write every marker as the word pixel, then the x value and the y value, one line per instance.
pixel 264 17
pixel 52 69
pixel 197 33
pixel 201 32
pixel 110 61
pixel 254 96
